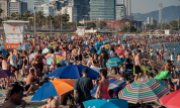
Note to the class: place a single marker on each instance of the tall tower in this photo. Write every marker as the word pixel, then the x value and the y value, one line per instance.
pixel 130 11
pixel 160 12
pixel 128 4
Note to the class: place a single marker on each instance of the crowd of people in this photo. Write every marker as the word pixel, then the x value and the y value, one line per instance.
pixel 23 71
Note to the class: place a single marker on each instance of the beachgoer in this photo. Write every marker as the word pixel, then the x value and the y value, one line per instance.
pixel 103 84
pixel 30 83
pixel 14 97
pixel 82 88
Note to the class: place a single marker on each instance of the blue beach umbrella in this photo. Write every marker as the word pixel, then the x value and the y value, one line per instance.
pixel 114 62
pixel 43 93
pixel 73 72
pixel 56 87
pixel 100 103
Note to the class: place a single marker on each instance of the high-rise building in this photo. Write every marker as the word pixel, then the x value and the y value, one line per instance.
pixel 17 6
pixel 120 11
pixel 4 7
pixel 34 3
pixel 102 9
pixel 47 9
pixel 128 5
pixel 82 7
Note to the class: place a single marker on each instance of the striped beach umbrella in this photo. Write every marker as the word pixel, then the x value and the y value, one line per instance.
pixel 143 91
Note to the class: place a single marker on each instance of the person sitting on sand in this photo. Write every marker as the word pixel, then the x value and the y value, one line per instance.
pixel 29 81
pixel 14 97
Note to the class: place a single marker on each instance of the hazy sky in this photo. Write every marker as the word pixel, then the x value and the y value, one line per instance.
pixel 143 6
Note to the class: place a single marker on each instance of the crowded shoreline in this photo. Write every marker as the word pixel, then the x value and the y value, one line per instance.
pixel 101 57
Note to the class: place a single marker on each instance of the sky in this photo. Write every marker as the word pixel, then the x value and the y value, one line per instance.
pixel 144 6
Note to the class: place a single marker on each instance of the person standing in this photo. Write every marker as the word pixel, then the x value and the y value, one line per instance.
pixel 82 88
pixel 103 84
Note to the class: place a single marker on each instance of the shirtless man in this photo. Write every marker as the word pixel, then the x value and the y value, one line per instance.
pixel 136 58
pixel 137 63
pixel 29 81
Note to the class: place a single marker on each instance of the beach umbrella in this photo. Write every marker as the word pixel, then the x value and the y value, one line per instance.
pixel 4 74
pixel 114 62
pixel 100 103
pixel 171 100
pixel 73 72
pixel 45 50
pixel 56 87
pixel 114 85
pixel 143 91
pixel 162 75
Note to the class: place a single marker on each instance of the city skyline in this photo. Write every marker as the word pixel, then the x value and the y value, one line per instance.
pixel 145 6
pixel 148 5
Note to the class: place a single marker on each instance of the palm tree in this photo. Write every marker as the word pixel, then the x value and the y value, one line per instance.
pixel 58 22
pixel 15 16
pixel 26 15
pixel 40 19
pixel 1 11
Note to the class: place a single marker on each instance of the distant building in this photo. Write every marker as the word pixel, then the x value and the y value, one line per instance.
pixel 128 5
pixel 17 6
pixel 4 7
pixel 56 3
pixel 120 12
pixel 102 9
pixel 47 9
pixel 150 21
pixel 35 3
pixel 77 9
pixel 82 7
pixel 71 11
